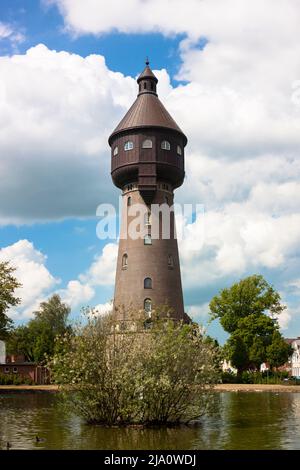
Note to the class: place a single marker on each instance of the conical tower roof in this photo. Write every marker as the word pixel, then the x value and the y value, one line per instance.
pixel 147 73
pixel 147 110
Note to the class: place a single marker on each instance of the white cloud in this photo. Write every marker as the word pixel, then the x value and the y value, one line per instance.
pixel 8 32
pixel 76 293
pixel 214 18
pixel 38 283
pixel 56 113
pixel 103 269
pixel 31 272
pixel 293 285
pixel 198 313
pixel 285 317
pixel 103 309
pixel 235 240
pixel 241 82
pixel 101 273
pixel 288 315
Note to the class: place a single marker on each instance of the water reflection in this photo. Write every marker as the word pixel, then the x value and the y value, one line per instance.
pixel 241 421
pixel 257 420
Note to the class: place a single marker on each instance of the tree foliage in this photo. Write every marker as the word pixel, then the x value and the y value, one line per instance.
pixel 248 310
pixel 8 285
pixel 161 375
pixel 250 296
pixel 36 340
pixel 278 351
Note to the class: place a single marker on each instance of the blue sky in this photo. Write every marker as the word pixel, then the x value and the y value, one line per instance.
pixel 67 76
pixel 124 53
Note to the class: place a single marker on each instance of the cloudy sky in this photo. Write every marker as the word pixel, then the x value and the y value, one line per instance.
pixel 229 73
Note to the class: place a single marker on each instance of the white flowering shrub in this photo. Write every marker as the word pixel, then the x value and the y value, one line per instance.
pixel 164 374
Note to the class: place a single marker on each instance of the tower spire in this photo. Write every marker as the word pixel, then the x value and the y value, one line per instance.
pixel 147 80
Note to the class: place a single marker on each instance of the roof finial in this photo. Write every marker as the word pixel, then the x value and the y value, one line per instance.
pixel 147 61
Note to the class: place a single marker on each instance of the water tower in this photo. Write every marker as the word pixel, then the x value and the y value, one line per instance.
pixel 147 164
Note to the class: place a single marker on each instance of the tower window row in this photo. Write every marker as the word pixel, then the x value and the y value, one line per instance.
pixel 145 87
pixel 147 144
pixel 148 280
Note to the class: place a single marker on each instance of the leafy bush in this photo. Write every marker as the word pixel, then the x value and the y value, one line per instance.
pixel 229 378
pixel 164 374
pixel 256 377
pixel 14 379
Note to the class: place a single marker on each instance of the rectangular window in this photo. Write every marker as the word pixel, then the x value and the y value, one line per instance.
pixel 147 240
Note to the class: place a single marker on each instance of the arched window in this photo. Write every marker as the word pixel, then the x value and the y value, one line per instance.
pixel 116 151
pixel 147 283
pixel 152 86
pixel 128 145
pixel 147 240
pixel 179 150
pixel 129 201
pixel 145 85
pixel 148 307
pixel 125 261
pixel 147 144
pixel 165 145
pixel 147 218
pixel 170 261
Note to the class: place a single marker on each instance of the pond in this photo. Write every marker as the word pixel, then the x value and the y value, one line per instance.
pixel 242 420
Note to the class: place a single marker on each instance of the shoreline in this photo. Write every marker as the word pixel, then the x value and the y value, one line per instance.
pixel 217 388
pixel 29 388
pixel 257 388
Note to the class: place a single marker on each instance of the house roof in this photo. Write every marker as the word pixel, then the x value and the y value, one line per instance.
pixel 289 340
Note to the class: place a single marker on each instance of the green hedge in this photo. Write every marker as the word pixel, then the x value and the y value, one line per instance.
pixel 249 377
pixel 14 379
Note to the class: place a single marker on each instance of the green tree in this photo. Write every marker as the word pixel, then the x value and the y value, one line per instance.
pixel 278 351
pixel 8 285
pixel 36 340
pixel 21 341
pixel 235 350
pixel 252 295
pixel 248 311
pixel 218 350
pixel 54 314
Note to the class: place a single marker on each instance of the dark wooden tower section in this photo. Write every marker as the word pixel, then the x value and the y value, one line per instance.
pixel 147 164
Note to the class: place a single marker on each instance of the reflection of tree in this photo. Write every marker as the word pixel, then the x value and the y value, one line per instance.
pixel 256 420
pixel 18 419
pixel 242 421
pixel 142 438
pixel 25 416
